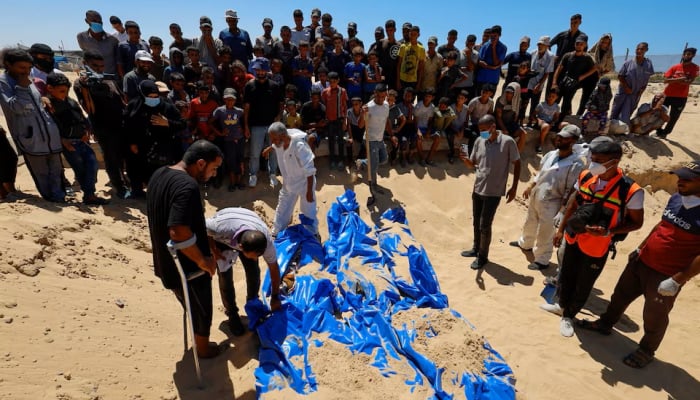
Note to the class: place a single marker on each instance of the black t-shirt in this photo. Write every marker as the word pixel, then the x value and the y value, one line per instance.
pixel 106 95
pixel 575 66
pixel 310 115
pixel 264 99
pixel 389 56
pixel 174 199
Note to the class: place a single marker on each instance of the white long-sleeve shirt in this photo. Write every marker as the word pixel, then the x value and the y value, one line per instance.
pixel 296 162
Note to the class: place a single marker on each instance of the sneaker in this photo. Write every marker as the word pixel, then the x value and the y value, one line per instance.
pixel 470 253
pixel 479 263
pixel 552 308
pixel 516 243
pixel 274 181
pixel 535 266
pixel 252 181
pixel 566 327
pixel 235 325
pixel 124 194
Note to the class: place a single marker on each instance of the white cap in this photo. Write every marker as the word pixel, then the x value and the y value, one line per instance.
pixel 143 55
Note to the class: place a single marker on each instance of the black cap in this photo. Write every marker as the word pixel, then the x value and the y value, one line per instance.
pixel 688 171
pixel 148 87
pixel 114 20
pixel 40 48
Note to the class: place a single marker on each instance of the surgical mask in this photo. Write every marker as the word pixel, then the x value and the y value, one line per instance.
pixel 96 27
pixel 690 201
pixel 152 101
pixel 598 168
pixel 485 134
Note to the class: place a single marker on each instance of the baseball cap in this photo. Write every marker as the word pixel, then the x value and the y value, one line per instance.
pixel 570 131
pixel 260 63
pixel 581 39
pixel 543 40
pixel 689 170
pixel 162 87
pixel 202 86
pixel 148 87
pixel 316 12
pixel 229 93
pixel 204 21
pixel 525 39
pixel 352 25
pixel 267 21
pixel 406 25
pixel 379 29
pixel 143 55
pixel 114 20
pixel 231 14
pixel 433 39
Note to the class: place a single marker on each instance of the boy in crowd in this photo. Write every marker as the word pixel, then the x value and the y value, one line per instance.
pixel 407 135
pixel 201 108
pixel 450 76
pixel 356 130
pixel 74 129
pixel 322 81
pixel 424 113
pixel 442 123
pixel 336 100
pixel 354 72
pixel 127 50
pixel 597 106
pixel 547 113
pixel 337 58
pixel 456 129
pixel 176 65
pixel 302 70
pixel 160 62
pixel 290 118
pixel 193 69
pixel 313 118
pixel 177 88
pixel 397 120
pixel 479 107
pixel 226 124
pixel 276 72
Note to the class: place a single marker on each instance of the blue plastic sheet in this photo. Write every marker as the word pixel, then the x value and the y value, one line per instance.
pixel 315 306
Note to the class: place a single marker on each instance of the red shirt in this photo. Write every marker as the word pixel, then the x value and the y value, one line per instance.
pixel 200 114
pixel 681 70
pixel 336 102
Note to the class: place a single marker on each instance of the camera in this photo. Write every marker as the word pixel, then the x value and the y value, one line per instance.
pixel 93 78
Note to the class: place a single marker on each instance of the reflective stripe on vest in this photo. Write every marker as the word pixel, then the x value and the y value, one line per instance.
pixel 598 246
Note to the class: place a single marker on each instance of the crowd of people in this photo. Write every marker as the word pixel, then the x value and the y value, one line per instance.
pixel 167 124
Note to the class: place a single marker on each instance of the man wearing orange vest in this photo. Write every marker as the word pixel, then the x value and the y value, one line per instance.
pixel 667 259
pixel 606 204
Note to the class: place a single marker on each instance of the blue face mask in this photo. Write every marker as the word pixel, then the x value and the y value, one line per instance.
pixel 485 134
pixel 96 27
pixel 152 101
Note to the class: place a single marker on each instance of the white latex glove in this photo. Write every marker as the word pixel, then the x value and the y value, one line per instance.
pixel 668 287
pixel 557 219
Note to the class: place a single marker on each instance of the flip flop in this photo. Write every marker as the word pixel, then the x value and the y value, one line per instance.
pixel 593 326
pixel 638 359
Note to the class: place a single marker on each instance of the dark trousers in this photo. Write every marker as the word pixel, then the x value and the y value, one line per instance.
pixel 676 106
pixel 336 143
pixel 227 290
pixel 483 211
pixel 111 143
pixel 566 97
pixel 636 280
pixel 84 163
pixel 587 87
pixel 199 290
pixel 138 169
pixel 8 160
pixel 46 171
pixel 578 274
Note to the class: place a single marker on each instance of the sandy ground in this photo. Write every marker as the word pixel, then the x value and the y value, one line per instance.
pixel 83 317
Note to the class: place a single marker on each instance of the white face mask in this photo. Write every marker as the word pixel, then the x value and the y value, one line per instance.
pixel 598 168
pixel 690 201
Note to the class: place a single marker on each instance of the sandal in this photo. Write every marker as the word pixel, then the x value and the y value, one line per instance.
pixel 593 326
pixel 638 359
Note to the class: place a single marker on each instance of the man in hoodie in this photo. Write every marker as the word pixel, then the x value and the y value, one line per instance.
pixel 177 65
pixel 33 130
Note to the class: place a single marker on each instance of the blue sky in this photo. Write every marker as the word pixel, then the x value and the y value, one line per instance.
pixel 666 29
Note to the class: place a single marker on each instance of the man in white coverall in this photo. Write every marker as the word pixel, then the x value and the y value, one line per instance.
pixel 548 194
pixel 296 163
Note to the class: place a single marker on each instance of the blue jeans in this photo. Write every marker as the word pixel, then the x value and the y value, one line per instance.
pixel 377 156
pixel 84 164
pixel 259 139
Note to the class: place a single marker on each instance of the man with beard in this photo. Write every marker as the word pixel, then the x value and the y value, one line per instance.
pixel 633 76
pixel 548 194
pixel 144 62
pixel 262 106
pixel 678 79
pixel 237 39
pixel 175 212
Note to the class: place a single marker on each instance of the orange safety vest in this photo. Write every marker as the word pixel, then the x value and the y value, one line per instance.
pixel 598 246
